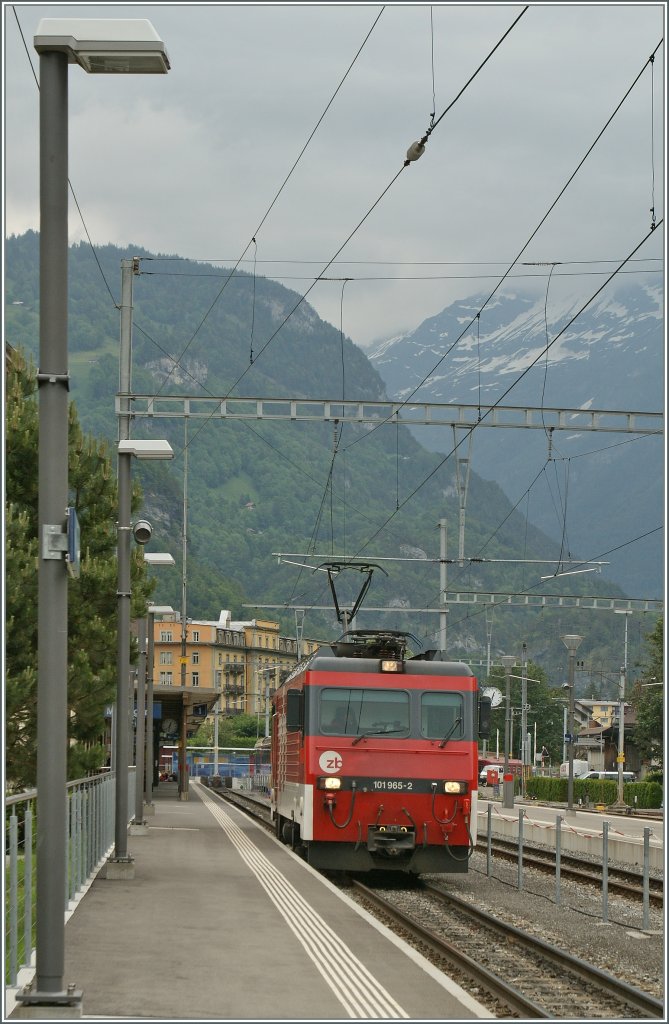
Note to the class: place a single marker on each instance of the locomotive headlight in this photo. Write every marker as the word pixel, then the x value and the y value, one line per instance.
pixel 390 665
pixel 329 782
pixel 455 787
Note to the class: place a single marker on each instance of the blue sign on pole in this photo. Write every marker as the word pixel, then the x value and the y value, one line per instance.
pixel 157 709
pixel 73 544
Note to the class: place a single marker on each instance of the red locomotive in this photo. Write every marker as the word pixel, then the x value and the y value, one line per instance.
pixel 375 757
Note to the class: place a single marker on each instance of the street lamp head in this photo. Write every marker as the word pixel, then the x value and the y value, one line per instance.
pixel 160 609
pixel 572 642
pixel 146 449
pixel 508 661
pixel 105 46
pixel 159 558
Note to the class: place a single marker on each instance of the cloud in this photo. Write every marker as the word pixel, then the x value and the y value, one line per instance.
pixel 189 163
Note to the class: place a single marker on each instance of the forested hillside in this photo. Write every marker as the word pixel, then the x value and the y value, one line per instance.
pixel 260 487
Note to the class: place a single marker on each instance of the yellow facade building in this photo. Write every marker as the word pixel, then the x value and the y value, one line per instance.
pixel 241 662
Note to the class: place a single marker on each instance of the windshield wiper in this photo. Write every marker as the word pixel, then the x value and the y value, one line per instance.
pixel 376 732
pixel 456 723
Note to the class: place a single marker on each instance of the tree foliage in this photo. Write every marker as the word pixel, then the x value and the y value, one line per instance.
pixel 233 731
pixel 544 714
pixel 648 699
pixel 92 601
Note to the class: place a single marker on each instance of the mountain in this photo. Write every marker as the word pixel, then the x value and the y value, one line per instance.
pixel 256 488
pixel 591 492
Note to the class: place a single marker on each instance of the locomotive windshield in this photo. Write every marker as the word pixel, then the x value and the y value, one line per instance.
pixel 441 714
pixel 350 712
pixel 347 711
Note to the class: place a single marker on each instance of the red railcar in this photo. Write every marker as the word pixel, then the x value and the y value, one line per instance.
pixel 515 766
pixel 375 758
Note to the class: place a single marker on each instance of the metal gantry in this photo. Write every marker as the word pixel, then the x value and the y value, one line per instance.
pixel 410 414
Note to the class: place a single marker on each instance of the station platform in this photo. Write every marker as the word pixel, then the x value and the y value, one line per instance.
pixel 223 922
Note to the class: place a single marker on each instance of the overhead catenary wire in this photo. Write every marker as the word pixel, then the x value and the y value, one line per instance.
pixel 353 232
pixel 564 188
pixel 505 393
pixel 403 277
pixel 433 125
pixel 272 204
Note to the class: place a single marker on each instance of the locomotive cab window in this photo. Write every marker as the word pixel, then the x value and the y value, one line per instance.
pixel 442 714
pixel 353 712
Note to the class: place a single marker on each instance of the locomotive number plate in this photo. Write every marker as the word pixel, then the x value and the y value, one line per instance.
pixel 396 785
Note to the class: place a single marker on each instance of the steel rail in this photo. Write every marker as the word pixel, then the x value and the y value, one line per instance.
pixel 645 1004
pixel 480 975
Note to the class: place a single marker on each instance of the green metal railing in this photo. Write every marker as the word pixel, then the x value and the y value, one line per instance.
pixel 89 814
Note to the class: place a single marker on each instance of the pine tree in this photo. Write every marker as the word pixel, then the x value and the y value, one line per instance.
pixel 92 600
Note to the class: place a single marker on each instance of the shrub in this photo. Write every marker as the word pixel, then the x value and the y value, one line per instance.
pixel 596 791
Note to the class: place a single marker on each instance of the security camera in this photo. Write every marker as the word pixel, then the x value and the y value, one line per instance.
pixel 565 686
pixel 142 531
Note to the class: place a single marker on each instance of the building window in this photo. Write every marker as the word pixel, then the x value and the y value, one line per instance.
pixel 219 679
pixel 165 678
pixel 220 658
pixel 165 657
pixel 196 636
pixel 196 657
pixel 165 636
pixel 195 678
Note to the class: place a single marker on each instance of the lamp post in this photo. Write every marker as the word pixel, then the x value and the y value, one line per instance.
pixel 508 661
pixel 620 802
pixel 153 610
pixel 572 642
pixel 120 864
pixel 144 724
pixel 98 46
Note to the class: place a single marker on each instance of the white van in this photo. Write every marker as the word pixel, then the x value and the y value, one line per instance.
pixel 581 769
pixel 609 776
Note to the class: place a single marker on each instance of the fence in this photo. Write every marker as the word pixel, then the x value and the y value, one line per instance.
pixel 89 814
pixel 518 828
pixel 227 761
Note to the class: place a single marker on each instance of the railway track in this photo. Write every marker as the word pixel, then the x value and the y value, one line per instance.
pixel 622 881
pixel 513 972
pixel 520 974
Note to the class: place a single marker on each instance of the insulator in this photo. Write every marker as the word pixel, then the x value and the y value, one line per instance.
pixel 415 151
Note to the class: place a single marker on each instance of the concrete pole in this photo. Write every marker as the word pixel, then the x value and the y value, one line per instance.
pixel 508 660
pixel 216 712
pixel 121 858
pixel 183 777
pixel 141 727
pixel 507 719
pixel 52 502
pixel 148 766
pixel 442 584
pixel 572 642
pixel 524 745
pixel 570 731
pixel 183 757
pixel 620 802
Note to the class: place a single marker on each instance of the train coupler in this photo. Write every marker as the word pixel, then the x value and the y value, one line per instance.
pixel 390 840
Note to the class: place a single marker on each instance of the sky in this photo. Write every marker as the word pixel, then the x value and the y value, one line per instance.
pixel 190 162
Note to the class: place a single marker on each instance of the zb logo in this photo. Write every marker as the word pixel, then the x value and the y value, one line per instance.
pixel 330 761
